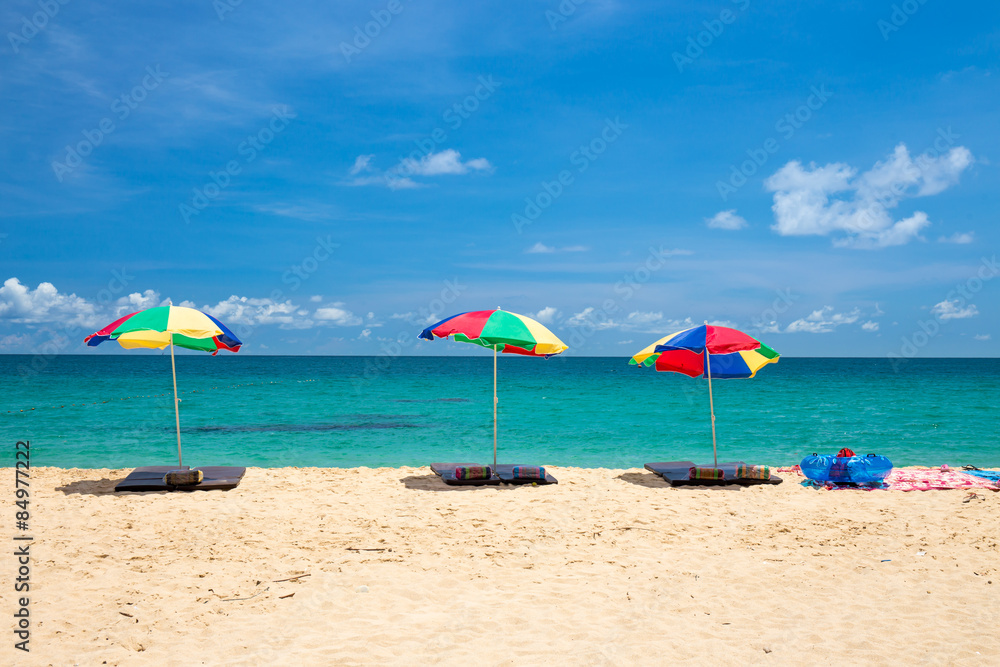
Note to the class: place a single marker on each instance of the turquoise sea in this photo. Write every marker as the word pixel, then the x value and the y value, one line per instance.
pixel 116 411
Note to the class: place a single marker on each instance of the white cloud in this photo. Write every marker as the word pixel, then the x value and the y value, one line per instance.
pixel 394 183
pixel 337 315
pixel 447 162
pixel 870 325
pixel 311 212
pixel 365 173
pixel 45 304
pixel 726 220
pixel 587 318
pixel 417 318
pixel 14 341
pixel 22 305
pixel 982 336
pixel 625 342
pixel 316 298
pixel 541 248
pixel 137 301
pixel 952 310
pixel 365 334
pixel 388 180
pixel 655 323
pixel 252 311
pixel 960 238
pixel 640 319
pixel 854 208
pixel 823 320
pixel 546 315
pixel 362 163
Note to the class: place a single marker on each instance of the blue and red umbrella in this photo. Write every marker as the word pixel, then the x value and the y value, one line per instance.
pixel 708 351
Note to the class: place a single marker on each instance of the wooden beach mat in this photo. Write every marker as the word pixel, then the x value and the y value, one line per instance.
pixel 676 474
pixel 446 471
pixel 150 478
pixel 506 472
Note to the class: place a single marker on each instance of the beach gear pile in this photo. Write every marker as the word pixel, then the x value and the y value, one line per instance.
pixel 846 468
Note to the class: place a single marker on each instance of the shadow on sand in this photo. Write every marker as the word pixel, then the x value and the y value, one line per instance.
pixel 654 481
pixel 433 483
pixel 91 487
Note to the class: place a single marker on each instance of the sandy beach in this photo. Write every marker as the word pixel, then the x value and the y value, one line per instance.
pixel 608 567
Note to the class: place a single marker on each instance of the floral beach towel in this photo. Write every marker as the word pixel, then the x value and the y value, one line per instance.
pixel 927 479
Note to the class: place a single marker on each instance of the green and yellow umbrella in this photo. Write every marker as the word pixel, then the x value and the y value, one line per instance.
pixel 156 328
pixel 501 331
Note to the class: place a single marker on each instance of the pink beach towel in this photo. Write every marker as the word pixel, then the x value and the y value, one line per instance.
pixel 926 479
pixel 935 478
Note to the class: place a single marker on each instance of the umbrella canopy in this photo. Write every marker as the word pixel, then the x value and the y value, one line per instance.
pixel 502 331
pixel 168 325
pixel 667 354
pixel 156 328
pixel 710 352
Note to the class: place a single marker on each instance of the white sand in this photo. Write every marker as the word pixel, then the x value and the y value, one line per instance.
pixel 608 567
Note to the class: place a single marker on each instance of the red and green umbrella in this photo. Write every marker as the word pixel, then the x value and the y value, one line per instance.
pixel 156 328
pixel 501 331
pixel 708 351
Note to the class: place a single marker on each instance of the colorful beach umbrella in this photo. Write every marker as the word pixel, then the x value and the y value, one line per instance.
pixel 501 331
pixel 710 352
pixel 156 328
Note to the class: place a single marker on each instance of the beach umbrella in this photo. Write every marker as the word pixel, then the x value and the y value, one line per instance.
pixel 162 326
pixel 501 331
pixel 708 351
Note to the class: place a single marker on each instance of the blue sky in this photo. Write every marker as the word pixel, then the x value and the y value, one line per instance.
pixel 819 174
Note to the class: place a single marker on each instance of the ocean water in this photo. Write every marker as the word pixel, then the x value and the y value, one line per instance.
pixel 116 411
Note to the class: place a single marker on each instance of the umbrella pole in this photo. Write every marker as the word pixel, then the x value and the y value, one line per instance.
pixel 711 404
pixel 177 412
pixel 494 407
